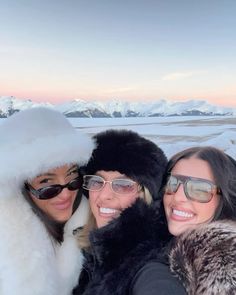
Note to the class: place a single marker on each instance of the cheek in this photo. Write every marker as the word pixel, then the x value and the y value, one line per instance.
pixel 74 195
pixel 206 212
pixel 92 200
pixel 166 201
pixel 127 201
pixel 44 205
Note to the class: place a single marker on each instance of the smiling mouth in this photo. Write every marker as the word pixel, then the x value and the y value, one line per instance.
pixel 104 210
pixel 181 214
pixel 63 205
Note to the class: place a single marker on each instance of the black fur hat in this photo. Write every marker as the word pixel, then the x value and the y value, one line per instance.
pixel 130 154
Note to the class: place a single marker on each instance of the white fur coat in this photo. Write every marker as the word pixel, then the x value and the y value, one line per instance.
pixel 30 262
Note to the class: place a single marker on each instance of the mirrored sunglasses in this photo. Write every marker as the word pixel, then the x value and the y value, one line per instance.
pixel 121 186
pixel 52 191
pixel 195 189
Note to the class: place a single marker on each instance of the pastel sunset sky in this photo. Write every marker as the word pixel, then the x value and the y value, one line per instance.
pixel 136 50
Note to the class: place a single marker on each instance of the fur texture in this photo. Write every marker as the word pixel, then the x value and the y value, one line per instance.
pixel 205 259
pixel 123 247
pixel 36 140
pixel 29 261
pixel 130 154
pixel 32 142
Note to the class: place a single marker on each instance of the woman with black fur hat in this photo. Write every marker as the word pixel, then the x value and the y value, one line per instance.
pixel 125 232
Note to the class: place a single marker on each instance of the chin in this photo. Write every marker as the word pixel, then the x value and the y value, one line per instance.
pixel 175 231
pixel 102 223
pixel 63 217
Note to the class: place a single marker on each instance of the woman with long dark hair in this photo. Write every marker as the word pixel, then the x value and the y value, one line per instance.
pixel 40 202
pixel 200 207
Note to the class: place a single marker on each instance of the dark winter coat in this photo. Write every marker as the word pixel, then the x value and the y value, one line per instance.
pixel 205 259
pixel 128 256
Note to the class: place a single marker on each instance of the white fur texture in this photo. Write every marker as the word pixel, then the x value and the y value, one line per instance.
pixel 36 140
pixel 32 142
pixel 69 257
pixel 29 261
pixel 27 256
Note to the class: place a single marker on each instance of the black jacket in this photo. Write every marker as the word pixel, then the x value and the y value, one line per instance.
pixel 128 256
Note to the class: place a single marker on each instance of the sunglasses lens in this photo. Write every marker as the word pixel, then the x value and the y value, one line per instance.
pixel 124 186
pixel 195 189
pixel 49 192
pixel 200 191
pixel 93 183
pixel 75 184
pixel 172 185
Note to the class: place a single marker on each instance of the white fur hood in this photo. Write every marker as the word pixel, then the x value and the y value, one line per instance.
pixel 36 140
pixel 30 263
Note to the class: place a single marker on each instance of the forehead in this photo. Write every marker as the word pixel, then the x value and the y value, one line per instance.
pixel 59 170
pixel 193 167
pixel 110 174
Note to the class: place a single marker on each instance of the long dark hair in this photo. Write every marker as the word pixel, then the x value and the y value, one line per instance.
pixel 223 168
pixel 54 228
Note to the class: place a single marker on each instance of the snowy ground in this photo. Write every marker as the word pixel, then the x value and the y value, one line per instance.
pixel 172 134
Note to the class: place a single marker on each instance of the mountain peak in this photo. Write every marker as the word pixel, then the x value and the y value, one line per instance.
pixel 118 108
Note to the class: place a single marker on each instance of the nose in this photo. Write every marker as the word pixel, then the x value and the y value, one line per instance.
pixel 106 193
pixel 179 195
pixel 65 193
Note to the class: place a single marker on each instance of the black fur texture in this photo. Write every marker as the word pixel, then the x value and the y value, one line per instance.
pixel 123 247
pixel 130 154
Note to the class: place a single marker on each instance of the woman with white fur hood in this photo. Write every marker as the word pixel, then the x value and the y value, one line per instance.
pixel 40 153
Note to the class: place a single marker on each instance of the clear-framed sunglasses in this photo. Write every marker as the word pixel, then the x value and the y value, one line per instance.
pixel 196 189
pixel 122 186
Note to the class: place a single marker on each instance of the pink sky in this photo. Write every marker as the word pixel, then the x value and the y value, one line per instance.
pixel 178 50
pixel 41 95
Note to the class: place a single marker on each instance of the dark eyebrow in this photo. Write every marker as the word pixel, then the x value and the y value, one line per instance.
pixel 52 174
pixel 44 175
pixel 74 167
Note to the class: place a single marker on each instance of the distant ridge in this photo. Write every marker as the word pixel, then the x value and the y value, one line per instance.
pixel 115 108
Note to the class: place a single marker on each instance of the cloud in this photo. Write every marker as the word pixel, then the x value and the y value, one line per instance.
pixel 181 75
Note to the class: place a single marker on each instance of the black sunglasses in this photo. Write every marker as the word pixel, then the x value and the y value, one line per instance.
pixel 52 191
pixel 196 189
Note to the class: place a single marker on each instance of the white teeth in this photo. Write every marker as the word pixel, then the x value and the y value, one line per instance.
pixel 107 210
pixel 182 213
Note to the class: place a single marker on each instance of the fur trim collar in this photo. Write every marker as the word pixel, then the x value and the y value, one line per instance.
pixel 205 259
pixel 30 263
pixel 136 224
pixel 36 140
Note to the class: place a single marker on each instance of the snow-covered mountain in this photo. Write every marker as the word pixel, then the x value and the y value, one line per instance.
pixel 9 105
pixel 116 108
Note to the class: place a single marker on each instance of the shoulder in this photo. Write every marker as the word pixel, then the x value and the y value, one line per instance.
pixel 25 242
pixel 153 277
pixel 218 236
pixel 198 252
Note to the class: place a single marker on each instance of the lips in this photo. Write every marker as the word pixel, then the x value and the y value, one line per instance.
pixel 108 213
pixel 63 205
pixel 181 214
